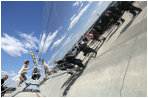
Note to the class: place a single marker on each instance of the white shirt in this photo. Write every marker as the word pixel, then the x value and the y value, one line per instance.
pixel 23 69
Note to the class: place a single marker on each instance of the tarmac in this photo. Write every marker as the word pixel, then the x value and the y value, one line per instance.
pixel 118 70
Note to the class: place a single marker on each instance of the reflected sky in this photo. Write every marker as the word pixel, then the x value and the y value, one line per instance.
pixel 52 27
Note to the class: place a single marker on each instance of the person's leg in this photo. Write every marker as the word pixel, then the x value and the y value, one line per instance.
pixel 24 77
pixel 122 20
pixel 49 71
pixel 116 22
pixel 78 62
pixel 132 12
pixel 70 66
pixel 137 9
pixel 96 38
pixel 19 83
pixel 101 38
pixel 91 50
pixel 45 70
pixel 2 92
pixel 85 52
pixel 117 18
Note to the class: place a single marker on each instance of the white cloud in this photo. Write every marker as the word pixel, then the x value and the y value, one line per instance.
pixel 46 41
pixel 80 2
pixel 30 41
pixel 80 6
pixel 76 18
pixel 53 56
pixel 77 3
pixel 93 16
pixel 56 43
pixel 16 47
pixel 98 6
pixel 41 45
pixel 11 73
pixel 15 78
pixel 4 72
pixel 100 3
pixel 72 17
pixel 67 41
pixel 12 46
pixel 94 12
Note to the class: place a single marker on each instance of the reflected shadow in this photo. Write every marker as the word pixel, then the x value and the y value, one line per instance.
pixel 71 80
pixel 127 26
pixel 99 46
pixel 111 34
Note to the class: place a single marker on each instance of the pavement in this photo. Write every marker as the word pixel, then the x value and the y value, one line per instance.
pixel 119 69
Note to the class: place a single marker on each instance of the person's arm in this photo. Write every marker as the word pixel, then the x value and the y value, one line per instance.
pixel 25 68
pixel 23 72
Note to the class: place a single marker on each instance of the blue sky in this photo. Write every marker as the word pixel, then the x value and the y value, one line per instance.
pixel 50 27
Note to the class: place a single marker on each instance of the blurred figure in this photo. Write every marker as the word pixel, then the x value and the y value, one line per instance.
pixel 116 13
pixel 2 85
pixel 22 73
pixel 63 65
pixel 68 59
pixel 127 6
pixel 96 35
pixel 112 17
pixel 39 59
pixel 47 70
pixel 83 47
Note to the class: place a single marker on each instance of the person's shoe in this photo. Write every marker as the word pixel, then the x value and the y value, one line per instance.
pixel 122 20
pixel 134 15
pixel 83 67
pixel 95 53
pixel 139 11
pixel 27 83
pixel 84 54
pixel 117 24
pixel 104 39
pixel 71 73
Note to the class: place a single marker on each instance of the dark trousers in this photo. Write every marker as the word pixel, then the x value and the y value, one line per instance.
pixel 133 9
pixel 78 62
pixel 2 92
pixel 88 50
